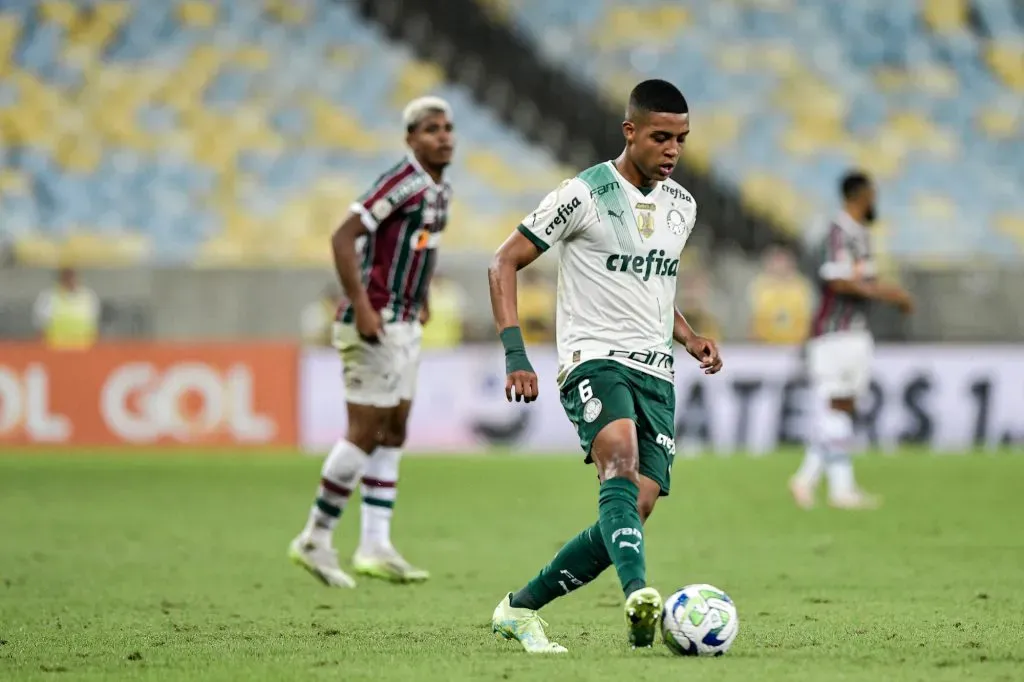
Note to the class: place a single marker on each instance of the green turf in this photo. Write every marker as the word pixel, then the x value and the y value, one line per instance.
pixel 173 568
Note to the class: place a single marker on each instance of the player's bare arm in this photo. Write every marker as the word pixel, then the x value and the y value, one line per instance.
pixel 876 291
pixel 703 349
pixel 346 264
pixel 515 254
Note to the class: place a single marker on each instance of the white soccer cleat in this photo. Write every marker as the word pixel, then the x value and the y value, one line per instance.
pixel 387 564
pixel 524 626
pixel 320 561
pixel 803 494
pixel 856 500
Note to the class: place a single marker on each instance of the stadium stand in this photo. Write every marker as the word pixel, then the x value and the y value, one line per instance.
pixel 928 95
pixel 233 133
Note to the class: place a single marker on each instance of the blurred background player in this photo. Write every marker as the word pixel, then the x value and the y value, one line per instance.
pixel 621 225
pixel 780 300
pixel 378 332
pixel 67 314
pixel 840 350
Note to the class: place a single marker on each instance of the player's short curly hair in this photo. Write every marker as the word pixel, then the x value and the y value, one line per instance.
pixel 656 95
pixel 421 107
pixel 853 183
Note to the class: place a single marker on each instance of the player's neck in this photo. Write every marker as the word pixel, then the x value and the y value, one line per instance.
pixel 855 213
pixel 628 170
pixel 436 173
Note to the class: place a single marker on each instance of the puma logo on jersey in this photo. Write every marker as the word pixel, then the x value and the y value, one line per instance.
pixel 655 263
pixel 562 217
pixel 617 216
pixel 635 546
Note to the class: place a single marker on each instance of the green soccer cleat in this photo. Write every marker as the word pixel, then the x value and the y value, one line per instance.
pixel 643 616
pixel 524 626
pixel 387 564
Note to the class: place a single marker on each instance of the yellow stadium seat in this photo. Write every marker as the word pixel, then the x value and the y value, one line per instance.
pixel 1013 227
pixel 719 129
pixel 198 13
pixel 937 80
pixel 61 12
pixel 312 252
pixel 882 156
pixel 890 79
pixel 415 79
pixel 288 11
pixel 10 34
pixel 623 26
pixel 334 127
pixel 83 157
pixel 36 250
pixel 1007 61
pixel 497 9
pixel 87 248
pixel 772 197
pixel 13 181
pixel 1000 124
pixel 934 207
pixel 492 169
pixel 945 16
pixel 224 251
pixel 252 56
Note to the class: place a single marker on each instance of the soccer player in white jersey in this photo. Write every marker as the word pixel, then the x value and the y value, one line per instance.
pixel 620 227
pixel 399 222
pixel 840 348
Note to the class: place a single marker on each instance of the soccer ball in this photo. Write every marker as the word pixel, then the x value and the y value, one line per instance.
pixel 699 620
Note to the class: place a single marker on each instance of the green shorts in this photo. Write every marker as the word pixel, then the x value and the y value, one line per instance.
pixel 599 392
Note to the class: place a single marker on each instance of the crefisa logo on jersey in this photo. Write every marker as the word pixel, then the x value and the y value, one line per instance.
pixel 562 217
pixel 654 263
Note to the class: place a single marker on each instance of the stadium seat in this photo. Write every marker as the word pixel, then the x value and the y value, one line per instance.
pixel 224 132
pixel 922 94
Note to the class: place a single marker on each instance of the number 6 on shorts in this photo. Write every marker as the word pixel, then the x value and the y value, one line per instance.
pixel 586 393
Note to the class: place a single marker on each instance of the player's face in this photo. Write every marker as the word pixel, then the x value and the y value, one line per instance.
pixel 870 209
pixel 433 140
pixel 655 141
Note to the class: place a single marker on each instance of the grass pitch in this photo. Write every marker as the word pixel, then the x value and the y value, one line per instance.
pixel 162 567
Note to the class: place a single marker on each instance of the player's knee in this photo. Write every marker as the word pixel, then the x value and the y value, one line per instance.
pixel 615 451
pixel 650 490
pixel 394 436
pixel 646 508
pixel 621 465
pixel 367 428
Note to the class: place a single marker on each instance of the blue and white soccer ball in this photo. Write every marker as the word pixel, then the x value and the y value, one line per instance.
pixel 699 620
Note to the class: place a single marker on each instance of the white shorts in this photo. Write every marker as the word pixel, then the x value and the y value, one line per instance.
pixel 382 374
pixel 839 363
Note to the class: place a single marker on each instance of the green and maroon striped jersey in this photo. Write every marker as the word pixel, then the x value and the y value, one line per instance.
pixel 405 212
pixel 845 253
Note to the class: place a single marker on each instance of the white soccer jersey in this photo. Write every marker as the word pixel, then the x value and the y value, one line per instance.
pixel 617 267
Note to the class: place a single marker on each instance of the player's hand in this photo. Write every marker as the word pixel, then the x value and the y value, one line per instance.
pixel 424 315
pixel 905 303
pixel 369 324
pixel 523 385
pixel 706 352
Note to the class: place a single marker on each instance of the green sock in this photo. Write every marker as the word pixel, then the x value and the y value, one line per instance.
pixel 580 561
pixel 623 532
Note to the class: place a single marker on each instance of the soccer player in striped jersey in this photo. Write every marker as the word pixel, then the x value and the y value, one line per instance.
pixel 384 254
pixel 840 349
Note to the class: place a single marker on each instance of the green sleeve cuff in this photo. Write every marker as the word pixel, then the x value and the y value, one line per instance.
pixel 534 239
